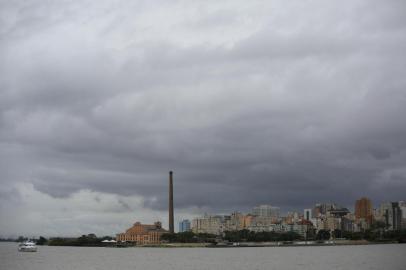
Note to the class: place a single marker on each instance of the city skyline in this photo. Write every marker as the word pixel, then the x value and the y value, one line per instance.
pixel 299 214
pixel 249 102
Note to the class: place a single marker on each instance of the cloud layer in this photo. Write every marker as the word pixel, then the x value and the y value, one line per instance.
pixel 281 103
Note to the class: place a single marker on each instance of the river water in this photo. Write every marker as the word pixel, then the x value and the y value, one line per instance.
pixel 390 256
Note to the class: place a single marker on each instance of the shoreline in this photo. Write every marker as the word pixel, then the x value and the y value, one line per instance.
pixel 271 244
pixel 246 244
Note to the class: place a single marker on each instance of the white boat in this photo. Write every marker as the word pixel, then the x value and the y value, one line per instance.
pixel 27 246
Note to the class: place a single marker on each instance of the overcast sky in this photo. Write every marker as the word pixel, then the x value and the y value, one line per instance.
pixel 287 103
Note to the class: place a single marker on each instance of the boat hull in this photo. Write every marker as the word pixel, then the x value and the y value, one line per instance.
pixel 27 249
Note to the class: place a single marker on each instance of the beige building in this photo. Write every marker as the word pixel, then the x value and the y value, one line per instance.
pixel 208 224
pixel 219 224
pixel 319 223
pixel 143 234
pixel 247 220
pixel 235 222
pixel 332 223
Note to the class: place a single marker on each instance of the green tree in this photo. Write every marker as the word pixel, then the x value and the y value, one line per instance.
pixel 377 225
pixel 337 233
pixel 371 235
pixel 170 237
pixel 323 235
pixel 42 241
pixel 357 236
pixel 22 239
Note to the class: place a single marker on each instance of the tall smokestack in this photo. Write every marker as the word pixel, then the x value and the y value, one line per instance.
pixel 171 228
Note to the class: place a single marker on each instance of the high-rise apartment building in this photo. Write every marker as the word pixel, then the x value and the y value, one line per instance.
pixel 322 208
pixel 266 211
pixel 396 216
pixel 184 225
pixel 363 210
pixel 307 214
pixel 392 215
pixel 208 224
pixel 402 205
pixel 234 222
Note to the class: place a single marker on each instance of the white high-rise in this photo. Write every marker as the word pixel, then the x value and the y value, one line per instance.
pixel 307 214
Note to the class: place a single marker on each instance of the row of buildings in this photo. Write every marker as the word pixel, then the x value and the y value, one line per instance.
pixel 323 216
pixel 267 218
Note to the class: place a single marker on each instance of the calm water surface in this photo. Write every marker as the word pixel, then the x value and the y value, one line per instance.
pixel 303 258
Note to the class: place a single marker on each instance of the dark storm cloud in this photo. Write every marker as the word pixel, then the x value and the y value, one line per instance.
pixel 281 104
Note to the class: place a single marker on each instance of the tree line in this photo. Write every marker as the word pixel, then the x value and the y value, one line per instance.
pixel 188 237
pixel 372 235
pixel 232 236
pixel 90 240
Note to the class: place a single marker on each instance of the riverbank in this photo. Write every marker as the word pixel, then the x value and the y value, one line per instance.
pixel 269 244
pixel 303 243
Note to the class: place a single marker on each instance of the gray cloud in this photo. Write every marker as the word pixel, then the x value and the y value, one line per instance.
pixel 288 104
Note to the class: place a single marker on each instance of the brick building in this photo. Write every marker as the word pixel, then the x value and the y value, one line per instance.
pixel 143 234
pixel 363 210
